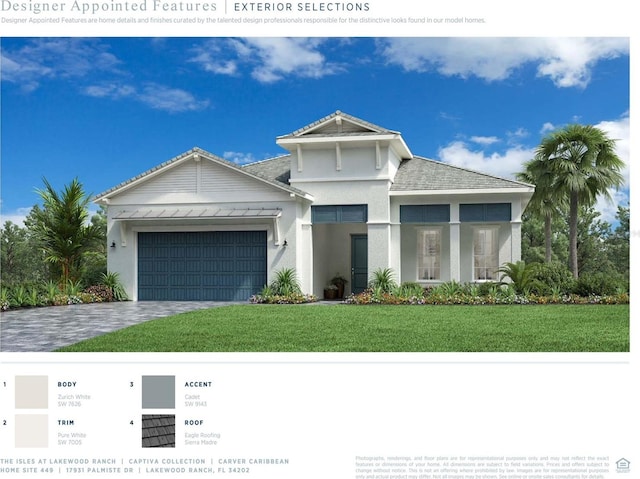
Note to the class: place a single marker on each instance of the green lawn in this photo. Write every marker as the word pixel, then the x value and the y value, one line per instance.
pixel 377 328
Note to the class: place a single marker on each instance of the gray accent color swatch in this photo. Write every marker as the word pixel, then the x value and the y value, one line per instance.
pixel 158 430
pixel 32 430
pixel 32 392
pixel 158 392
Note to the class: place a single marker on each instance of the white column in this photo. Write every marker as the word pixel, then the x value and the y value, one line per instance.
pixel 516 241
pixel 379 238
pixel 454 242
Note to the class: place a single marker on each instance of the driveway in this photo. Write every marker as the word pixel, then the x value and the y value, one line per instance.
pixel 46 329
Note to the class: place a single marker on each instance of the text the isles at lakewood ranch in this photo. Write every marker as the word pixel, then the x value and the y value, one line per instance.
pixel 348 197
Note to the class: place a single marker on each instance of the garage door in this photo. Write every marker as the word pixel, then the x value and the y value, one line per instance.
pixel 201 266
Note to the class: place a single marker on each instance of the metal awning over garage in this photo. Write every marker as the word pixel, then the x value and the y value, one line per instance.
pixel 196 213
pixel 124 216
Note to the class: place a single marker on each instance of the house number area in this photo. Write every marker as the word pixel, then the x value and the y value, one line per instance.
pixel 498 467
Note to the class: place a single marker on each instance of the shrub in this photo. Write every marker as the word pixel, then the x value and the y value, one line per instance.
pixel 19 296
pixel 4 299
pixel 520 274
pixel 599 284
pixel 383 279
pixel 112 281
pixel 552 278
pixel 285 282
pixel 410 289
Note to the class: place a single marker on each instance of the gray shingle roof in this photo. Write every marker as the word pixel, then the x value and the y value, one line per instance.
pixel 416 174
pixel 423 174
pixel 158 430
pixel 276 169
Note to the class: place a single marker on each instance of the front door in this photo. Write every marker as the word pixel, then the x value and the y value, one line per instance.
pixel 359 255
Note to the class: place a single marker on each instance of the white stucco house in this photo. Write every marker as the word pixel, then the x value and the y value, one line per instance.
pixel 349 197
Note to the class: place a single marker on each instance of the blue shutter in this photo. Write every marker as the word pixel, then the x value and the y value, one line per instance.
pixel 424 213
pixel 484 212
pixel 339 214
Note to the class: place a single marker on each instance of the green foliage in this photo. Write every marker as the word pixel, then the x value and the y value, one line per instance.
pixel 19 296
pixel 449 288
pixel 4 299
pixel 599 284
pixel 73 288
pixel 580 164
pixel 20 259
pixel 62 230
pixel 552 278
pixel 112 281
pixel 383 279
pixel 410 289
pixel 285 282
pixel 520 274
pixel 338 280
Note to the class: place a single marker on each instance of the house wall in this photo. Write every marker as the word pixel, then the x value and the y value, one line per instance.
pixel 357 162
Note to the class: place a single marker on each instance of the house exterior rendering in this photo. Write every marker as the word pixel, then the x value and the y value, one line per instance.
pixel 349 197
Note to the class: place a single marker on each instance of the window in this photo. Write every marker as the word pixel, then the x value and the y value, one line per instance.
pixel 429 246
pixel 485 254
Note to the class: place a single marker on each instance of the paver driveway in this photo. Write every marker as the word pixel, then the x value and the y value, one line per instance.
pixel 46 329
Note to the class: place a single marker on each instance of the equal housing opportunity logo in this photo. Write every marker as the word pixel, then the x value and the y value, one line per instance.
pixel 623 465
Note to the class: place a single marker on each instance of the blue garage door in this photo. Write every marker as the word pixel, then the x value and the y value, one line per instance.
pixel 201 266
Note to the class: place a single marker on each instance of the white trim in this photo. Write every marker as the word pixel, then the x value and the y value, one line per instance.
pixel 330 138
pixel 123 233
pixel 327 179
pixel 299 156
pixel 338 157
pixel 479 191
pixel 378 156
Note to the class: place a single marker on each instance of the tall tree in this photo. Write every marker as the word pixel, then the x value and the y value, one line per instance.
pixel 546 201
pixel 583 164
pixel 62 227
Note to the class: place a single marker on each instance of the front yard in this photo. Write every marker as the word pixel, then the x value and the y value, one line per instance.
pixel 350 328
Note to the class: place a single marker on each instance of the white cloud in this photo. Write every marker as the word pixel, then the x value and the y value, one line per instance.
pixel 270 59
pixel 565 61
pixel 56 58
pixel 505 165
pixel 547 127
pixel 110 90
pixel 620 131
pixel 17 216
pixel 173 100
pixel 156 96
pixel 239 158
pixel 485 140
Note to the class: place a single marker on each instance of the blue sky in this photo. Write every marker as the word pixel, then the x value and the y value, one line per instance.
pixel 106 109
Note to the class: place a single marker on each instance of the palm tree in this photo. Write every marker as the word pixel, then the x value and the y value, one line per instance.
pixel 582 162
pixel 63 229
pixel 545 201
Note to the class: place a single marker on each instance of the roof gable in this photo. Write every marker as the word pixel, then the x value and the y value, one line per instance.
pixel 339 123
pixel 179 179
